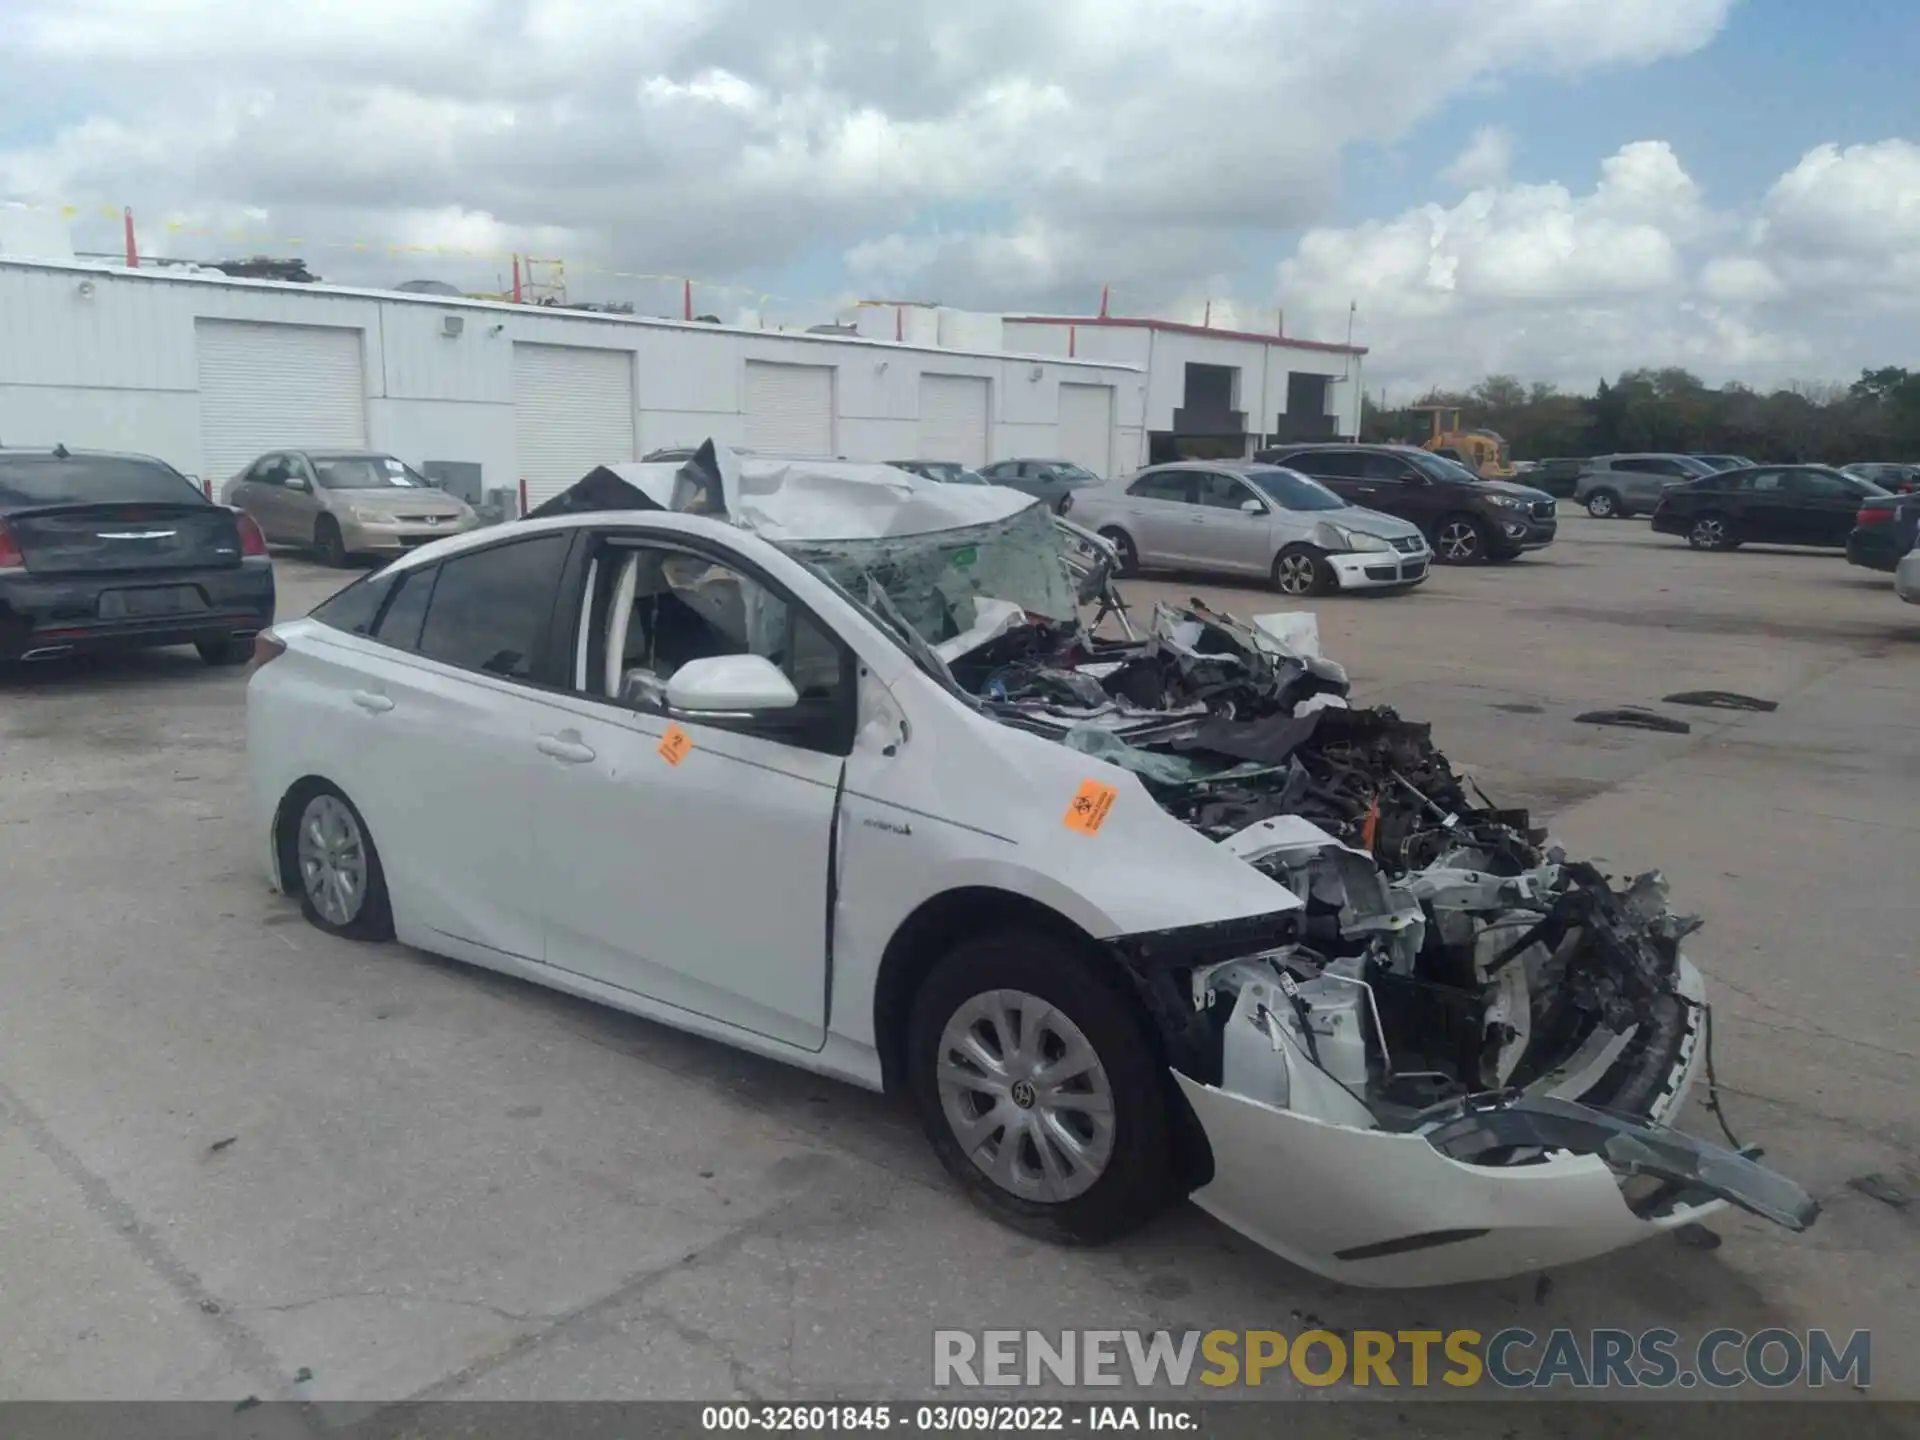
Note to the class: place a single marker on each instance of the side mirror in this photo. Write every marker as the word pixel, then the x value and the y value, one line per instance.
pixel 295 482
pixel 738 685
pixel 1252 507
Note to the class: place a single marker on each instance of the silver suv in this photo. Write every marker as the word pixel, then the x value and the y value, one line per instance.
pixel 1613 487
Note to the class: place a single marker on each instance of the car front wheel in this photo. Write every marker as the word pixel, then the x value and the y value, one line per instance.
pixel 1039 1088
pixel 1298 571
pixel 1123 545
pixel 1604 505
pixel 329 545
pixel 1459 540
pixel 1711 532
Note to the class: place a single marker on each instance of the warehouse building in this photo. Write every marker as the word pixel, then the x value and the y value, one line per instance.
pixel 207 372
pixel 1212 394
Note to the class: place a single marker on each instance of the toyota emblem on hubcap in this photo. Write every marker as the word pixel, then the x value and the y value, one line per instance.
pixel 1022 1094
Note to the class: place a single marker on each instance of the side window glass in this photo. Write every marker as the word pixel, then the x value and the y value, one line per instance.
pixel 273 470
pixel 1167 485
pixel 1764 482
pixel 1222 492
pixel 355 608
pixel 406 613
pixel 1333 464
pixel 665 608
pixel 490 608
pixel 1382 467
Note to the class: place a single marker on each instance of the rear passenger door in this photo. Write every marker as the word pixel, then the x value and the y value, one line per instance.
pixel 1341 471
pixel 440 714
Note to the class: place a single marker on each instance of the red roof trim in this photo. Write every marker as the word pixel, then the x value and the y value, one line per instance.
pixel 1180 328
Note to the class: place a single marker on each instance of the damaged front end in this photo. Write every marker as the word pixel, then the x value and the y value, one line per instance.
pixel 1466 1061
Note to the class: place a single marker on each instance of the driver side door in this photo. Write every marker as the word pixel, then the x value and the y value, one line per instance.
pixel 687 858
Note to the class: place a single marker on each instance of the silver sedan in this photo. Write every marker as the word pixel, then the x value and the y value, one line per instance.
pixel 1239 517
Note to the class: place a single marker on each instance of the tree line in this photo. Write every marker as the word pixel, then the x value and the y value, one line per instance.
pixel 1875 418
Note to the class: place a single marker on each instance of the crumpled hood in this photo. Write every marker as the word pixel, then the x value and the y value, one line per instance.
pixel 1370 522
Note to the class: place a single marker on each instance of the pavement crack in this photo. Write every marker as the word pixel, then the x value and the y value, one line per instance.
pixel 398 1297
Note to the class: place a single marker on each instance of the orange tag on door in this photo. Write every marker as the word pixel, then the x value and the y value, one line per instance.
pixel 1091 802
pixel 674 745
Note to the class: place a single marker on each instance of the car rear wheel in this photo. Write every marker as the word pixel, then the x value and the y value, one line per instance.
pixel 1122 542
pixel 1711 532
pixel 1604 505
pixel 1459 540
pixel 1040 1089
pixel 225 652
pixel 326 852
pixel 1298 570
pixel 329 545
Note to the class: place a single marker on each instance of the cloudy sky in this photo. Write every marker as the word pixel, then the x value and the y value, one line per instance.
pixel 1554 188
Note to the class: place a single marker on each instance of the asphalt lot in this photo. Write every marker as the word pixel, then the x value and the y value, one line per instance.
pixel 233 1149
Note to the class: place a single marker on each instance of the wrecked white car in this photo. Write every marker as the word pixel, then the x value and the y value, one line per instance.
pixel 840 766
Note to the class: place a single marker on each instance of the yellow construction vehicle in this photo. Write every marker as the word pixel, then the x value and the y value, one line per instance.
pixel 1481 451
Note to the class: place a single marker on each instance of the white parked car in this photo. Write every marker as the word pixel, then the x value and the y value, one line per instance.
pixel 1245 518
pixel 1906 577
pixel 819 760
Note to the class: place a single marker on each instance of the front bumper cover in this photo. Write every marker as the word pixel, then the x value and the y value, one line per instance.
pixel 1378 569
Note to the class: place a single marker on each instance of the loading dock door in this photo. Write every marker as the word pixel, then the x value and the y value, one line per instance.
pixel 953 419
pixel 790 409
pixel 1086 427
pixel 276 387
pixel 572 410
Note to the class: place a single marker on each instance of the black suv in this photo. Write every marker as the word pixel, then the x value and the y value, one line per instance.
pixel 1465 519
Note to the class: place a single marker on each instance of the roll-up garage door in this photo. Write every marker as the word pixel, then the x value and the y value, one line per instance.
pixel 790 409
pixel 1086 426
pixel 953 419
pixel 572 410
pixel 276 387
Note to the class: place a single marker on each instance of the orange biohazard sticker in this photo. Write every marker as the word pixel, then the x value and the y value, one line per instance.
pixel 675 745
pixel 1091 802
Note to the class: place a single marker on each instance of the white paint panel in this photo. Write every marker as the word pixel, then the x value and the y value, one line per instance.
pixel 953 419
pixel 1086 427
pixel 790 409
pixel 572 410
pixel 276 387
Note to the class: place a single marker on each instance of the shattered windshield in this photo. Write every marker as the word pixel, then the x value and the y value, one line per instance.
pixel 947 584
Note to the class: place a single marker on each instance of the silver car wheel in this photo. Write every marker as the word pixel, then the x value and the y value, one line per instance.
pixel 1600 505
pixel 1295 574
pixel 1026 1096
pixel 1458 540
pixel 1708 533
pixel 333 859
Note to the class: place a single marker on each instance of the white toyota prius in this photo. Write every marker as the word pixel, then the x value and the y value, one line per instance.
pixel 827 761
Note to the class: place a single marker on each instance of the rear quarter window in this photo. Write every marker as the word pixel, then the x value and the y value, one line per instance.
pixel 355 608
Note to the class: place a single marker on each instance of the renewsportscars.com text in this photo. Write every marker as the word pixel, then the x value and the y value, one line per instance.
pixel 1511 1359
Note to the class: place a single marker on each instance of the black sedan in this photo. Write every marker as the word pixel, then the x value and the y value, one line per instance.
pixel 1883 532
pixel 1768 504
pixel 102 552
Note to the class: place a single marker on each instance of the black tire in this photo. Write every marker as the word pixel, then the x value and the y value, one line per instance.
pixel 329 545
pixel 1606 505
pixel 374 918
pixel 1123 542
pixel 1459 539
pixel 1299 571
pixel 1138 1176
pixel 225 652
pixel 1712 531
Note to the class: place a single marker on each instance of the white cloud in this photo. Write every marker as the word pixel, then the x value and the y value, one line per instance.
pixel 1485 161
pixel 1051 146
pixel 1543 282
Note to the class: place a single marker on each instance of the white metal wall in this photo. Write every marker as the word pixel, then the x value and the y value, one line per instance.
pixel 953 419
pixel 790 409
pixel 572 410
pixel 274 387
pixel 1086 427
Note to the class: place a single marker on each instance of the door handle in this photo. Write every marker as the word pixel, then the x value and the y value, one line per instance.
pixel 570 751
pixel 374 704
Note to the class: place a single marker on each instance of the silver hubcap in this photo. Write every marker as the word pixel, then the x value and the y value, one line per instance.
pixel 1026 1096
pixel 1458 540
pixel 1296 574
pixel 333 859
pixel 1601 505
pixel 1708 533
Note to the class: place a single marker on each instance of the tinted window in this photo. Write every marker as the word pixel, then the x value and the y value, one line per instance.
pixel 1164 485
pixel 1222 492
pixel 490 608
pixel 1822 484
pixel 49 480
pixel 1338 464
pixel 1765 482
pixel 1295 492
pixel 1436 467
pixel 355 608
pixel 407 612
pixel 1384 467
